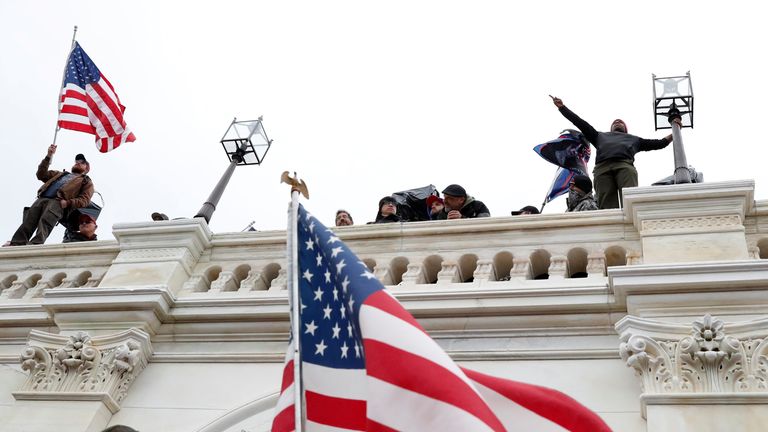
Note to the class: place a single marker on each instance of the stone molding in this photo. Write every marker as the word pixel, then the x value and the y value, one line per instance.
pixel 690 224
pixel 689 200
pixel 630 284
pixel 180 254
pixel 708 359
pixel 81 367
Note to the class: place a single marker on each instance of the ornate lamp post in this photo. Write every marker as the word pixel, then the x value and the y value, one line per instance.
pixel 245 143
pixel 673 99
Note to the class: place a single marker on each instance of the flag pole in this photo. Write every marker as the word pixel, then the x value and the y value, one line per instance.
pixel 297 187
pixel 63 77
pixel 293 280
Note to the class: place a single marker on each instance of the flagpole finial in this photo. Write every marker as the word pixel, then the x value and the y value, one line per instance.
pixel 296 183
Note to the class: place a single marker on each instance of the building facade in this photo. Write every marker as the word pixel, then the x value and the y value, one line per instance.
pixel 654 315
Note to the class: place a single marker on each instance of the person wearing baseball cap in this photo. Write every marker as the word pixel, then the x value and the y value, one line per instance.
pixel 580 194
pixel 87 231
pixel 61 191
pixel 459 205
pixel 527 210
pixel 615 160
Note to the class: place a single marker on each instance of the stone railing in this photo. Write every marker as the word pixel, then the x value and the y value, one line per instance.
pixel 196 262
pixel 658 225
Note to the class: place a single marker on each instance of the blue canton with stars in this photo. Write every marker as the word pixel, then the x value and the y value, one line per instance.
pixel 333 284
pixel 80 69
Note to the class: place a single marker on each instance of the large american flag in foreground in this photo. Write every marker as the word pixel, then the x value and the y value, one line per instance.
pixel 89 103
pixel 368 365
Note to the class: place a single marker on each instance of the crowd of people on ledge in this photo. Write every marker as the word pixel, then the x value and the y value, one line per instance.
pixel 64 195
pixel 457 204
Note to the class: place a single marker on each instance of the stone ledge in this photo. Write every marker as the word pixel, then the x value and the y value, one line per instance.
pixel 702 399
pixel 687 277
pixel 102 397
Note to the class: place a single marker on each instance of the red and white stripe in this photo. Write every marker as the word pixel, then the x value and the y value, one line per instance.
pixel 96 110
pixel 410 383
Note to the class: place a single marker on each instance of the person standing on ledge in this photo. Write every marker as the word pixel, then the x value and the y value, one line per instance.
pixel 614 163
pixel 61 190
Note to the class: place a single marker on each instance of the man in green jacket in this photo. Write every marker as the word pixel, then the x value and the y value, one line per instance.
pixel 61 190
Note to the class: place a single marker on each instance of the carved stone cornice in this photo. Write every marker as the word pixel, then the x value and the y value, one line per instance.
pixel 691 224
pixel 720 288
pixel 689 200
pixel 81 367
pixel 708 359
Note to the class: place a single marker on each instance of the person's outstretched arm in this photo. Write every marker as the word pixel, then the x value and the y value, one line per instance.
pixel 589 132
pixel 657 144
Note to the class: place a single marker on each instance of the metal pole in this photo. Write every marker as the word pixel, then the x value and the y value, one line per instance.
pixel 293 281
pixel 682 175
pixel 206 211
pixel 61 87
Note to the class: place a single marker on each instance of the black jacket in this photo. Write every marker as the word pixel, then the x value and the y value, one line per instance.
pixel 613 145
pixel 472 209
pixel 388 219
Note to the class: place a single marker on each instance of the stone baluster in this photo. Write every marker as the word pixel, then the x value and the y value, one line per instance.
pixel 485 271
pixel 414 275
pixel 225 282
pixel 384 274
pixel 521 269
pixel 280 282
pixel 558 267
pixel 450 272
pixel 37 290
pixel 596 265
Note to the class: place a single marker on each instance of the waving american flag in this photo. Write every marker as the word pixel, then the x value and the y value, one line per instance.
pixel 89 103
pixel 366 364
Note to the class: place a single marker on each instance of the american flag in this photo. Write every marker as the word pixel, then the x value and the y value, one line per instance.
pixel 89 103
pixel 366 363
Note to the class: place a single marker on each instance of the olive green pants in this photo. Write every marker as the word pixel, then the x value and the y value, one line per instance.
pixel 41 216
pixel 610 178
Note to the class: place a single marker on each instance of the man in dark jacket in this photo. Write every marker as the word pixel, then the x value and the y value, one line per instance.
pixel 86 232
pixel 388 211
pixel 459 205
pixel 614 164
pixel 61 190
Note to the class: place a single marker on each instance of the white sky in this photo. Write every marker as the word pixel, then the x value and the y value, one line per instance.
pixel 364 99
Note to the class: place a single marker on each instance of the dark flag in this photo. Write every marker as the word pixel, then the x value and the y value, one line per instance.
pixel 570 151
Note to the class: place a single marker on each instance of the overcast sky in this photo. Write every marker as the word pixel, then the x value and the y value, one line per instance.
pixel 363 99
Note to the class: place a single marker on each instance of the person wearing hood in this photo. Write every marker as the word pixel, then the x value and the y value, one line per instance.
pixel 614 163
pixel 580 195
pixel 459 205
pixel 387 211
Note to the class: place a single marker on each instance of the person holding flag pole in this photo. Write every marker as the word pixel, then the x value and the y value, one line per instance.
pixel 87 103
pixel 358 361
